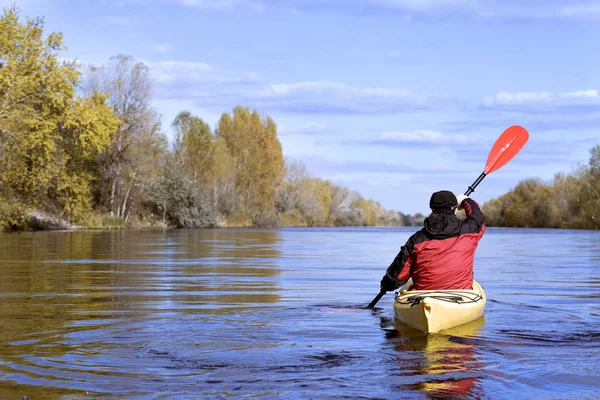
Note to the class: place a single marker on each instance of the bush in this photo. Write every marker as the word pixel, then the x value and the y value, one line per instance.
pixel 181 202
pixel 112 221
pixel 268 221
pixel 13 216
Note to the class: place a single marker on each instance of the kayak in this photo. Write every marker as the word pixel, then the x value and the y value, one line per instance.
pixel 435 310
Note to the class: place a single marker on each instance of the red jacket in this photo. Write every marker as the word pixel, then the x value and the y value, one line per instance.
pixel 440 256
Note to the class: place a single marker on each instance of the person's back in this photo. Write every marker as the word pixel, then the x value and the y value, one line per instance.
pixel 440 256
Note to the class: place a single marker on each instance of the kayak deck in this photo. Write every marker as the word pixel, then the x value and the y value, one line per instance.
pixel 434 310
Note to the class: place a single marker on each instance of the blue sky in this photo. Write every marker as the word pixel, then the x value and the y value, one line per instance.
pixel 393 98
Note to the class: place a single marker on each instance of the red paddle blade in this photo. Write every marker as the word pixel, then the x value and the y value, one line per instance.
pixel 506 147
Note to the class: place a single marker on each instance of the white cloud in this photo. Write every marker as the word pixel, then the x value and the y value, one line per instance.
pixel 584 9
pixel 576 98
pixel 122 21
pixel 541 110
pixel 498 8
pixel 312 128
pixel 537 111
pixel 219 5
pixel 395 54
pixel 190 73
pixel 161 48
pixel 210 87
pixel 337 97
pixel 21 4
pixel 423 136
pixel 423 5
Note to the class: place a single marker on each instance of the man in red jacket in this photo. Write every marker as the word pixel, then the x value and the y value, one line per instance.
pixel 440 256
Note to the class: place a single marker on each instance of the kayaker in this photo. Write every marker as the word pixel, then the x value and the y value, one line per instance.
pixel 440 256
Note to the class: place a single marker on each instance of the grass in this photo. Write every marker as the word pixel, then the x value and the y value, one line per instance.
pixel 112 222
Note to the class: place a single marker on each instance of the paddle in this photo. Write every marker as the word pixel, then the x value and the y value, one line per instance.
pixel 506 147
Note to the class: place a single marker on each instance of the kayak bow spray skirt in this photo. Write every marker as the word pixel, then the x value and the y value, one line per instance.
pixel 434 310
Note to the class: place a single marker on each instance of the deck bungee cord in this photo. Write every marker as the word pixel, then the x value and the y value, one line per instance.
pixel 451 297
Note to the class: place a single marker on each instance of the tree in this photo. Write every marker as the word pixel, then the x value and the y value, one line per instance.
pixel 314 199
pixel 339 196
pixel 224 178
pixel 130 161
pixel 194 147
pixel 257 158
pixel 180 201
pixel 288 192
pixel 48 134
pixel 588 193
pixel 565 199
pixel 594 162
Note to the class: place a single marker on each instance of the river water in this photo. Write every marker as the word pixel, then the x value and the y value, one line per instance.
pixel 215 314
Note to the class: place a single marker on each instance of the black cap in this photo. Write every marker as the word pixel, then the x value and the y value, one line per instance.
pixel 443 199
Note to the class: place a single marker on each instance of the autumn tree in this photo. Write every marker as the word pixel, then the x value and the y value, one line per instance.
pixel 48 133
pixel 339 197
pixel 131 160
pixel 570 201
pixel 257 158
pixel 304 199
pixel 224 179
pixel 194 147
pixel 588 193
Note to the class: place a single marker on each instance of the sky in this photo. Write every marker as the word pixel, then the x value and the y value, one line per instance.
pixel 393 98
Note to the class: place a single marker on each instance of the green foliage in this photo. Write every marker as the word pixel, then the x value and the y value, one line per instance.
pixel 132 158
pixel 12 215
pixel 94 153
pixel 48 135
pixel 194 147
pixel 180 201
pixel 224 179
pixel 569 202
pixel 304 200
pixel 112 222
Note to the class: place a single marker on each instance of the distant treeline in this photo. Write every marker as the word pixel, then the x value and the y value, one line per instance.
pixel 570 201
pixel 85 145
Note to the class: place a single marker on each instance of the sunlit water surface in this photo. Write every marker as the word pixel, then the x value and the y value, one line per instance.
pixel 281 313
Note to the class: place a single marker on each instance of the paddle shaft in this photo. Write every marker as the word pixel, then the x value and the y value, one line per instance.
pixel 474 185
pixel 376 299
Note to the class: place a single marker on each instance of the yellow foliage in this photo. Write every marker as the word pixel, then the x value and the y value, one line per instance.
pixel 257 157
pixel 46 132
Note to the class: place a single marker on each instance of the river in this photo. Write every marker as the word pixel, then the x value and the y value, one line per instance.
pixel 247 313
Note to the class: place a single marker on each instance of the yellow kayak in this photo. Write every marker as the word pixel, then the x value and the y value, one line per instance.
pixel 434 310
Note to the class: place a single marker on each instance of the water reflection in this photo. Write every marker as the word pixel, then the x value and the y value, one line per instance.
pixel 74 305
pixel 266 314
pixel 447 367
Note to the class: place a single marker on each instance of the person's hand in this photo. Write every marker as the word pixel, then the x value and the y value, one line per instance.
pixel 460 198
pixel 388 284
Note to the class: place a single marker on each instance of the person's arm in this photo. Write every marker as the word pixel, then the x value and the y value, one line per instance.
pixel 400 270
pixel 475 220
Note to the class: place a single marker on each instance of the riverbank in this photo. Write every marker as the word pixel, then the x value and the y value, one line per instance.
pixel 35 220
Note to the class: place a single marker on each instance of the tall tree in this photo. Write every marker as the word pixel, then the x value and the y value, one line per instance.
pixel 257 158
pixel 224 179
pixel 130 161
pixel 588 199
pixel 194 147
pixel 48 134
